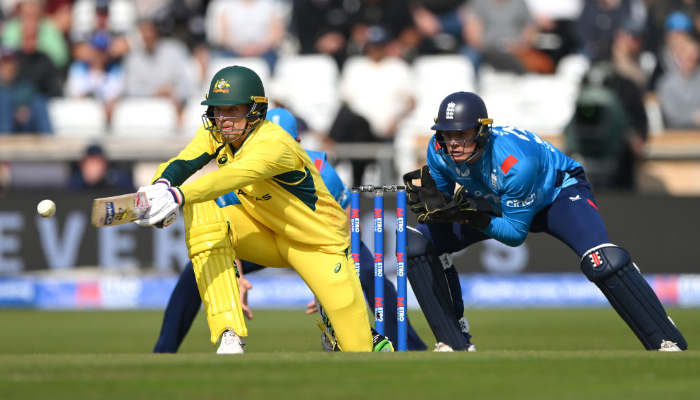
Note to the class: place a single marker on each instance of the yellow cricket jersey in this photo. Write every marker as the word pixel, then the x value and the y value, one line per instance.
pixel 274 179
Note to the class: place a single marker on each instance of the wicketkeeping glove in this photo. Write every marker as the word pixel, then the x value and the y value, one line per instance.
pixel 426 197
pixel 472 211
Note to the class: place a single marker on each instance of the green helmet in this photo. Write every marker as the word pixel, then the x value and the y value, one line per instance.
pixel 233 86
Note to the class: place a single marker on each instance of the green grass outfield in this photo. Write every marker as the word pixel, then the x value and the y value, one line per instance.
pixel 522 354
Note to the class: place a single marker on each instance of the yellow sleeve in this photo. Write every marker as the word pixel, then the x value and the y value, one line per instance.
pixel 260 160
pixel 191 159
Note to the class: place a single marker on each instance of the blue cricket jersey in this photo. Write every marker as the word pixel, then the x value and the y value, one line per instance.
pixel 519 174
pixel 330 177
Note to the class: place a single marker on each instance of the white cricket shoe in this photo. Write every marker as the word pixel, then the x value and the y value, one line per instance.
pixel 231 343
pixel 667 345
pixel 444 348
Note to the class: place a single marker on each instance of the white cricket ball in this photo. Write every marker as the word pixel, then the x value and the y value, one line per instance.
pixel 46 208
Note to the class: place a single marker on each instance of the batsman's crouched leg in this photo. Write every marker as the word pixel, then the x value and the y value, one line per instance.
pixel 333 280
pixel 427 273
pixel 612 270
pixel 211 250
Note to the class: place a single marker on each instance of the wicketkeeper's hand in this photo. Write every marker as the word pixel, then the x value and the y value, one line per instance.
pixel 164 208
pixel 472 211
pixel 426 197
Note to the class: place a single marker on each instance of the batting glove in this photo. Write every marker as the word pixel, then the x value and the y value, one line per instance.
pixel 151 192
pixel 165 207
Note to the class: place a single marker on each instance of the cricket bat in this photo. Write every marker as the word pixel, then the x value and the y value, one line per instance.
pixel 119 210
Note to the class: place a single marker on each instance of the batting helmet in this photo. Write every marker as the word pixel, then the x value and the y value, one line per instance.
pixel 233 86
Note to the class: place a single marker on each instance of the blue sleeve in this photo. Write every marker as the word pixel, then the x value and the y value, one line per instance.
pixel 437 170
pixel 335 185
pixel 330 177
pixel 517 203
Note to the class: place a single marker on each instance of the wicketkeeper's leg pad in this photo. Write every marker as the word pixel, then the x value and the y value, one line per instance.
pixel 213 257
pixel 612 270
pixel 426 272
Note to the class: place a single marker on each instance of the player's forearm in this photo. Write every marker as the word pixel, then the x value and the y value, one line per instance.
pixel 506 231
pixel 228 179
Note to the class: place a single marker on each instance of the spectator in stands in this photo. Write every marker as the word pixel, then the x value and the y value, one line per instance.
pixel 35 65
pixel 95 171
pixel 658 12
pixel 597 25
pixel 626 53
pixel 49 39
pixel 246 28
pixel 395 16
pixel 679 28
pixel 22 107
pixel 322 26
pixel 440 24
pixel 376 93
pixel 679 89
pixel 60 13
pixel 502 33
pixel 93 73
pixel 156 68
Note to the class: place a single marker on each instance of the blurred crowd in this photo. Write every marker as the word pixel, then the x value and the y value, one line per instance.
pixel 638 52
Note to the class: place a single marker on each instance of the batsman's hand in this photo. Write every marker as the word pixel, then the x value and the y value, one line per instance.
pixel 152 191
pixel 165 207
pixel 426 197
pixel 472 211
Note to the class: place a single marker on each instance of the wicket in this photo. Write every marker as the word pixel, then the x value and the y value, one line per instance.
pixel 401 284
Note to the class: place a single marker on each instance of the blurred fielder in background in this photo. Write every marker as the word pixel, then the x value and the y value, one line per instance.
pixel 286 216
pixel 185 301
pixel 511 183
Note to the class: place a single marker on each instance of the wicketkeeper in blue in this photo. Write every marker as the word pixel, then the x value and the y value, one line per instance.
pixel 501 182
pixel 185 300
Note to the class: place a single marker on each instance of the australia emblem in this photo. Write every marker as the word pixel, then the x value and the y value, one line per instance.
pixel 221 86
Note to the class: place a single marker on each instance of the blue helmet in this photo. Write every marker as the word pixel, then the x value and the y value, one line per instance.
pixel 460 111
pixel 285 119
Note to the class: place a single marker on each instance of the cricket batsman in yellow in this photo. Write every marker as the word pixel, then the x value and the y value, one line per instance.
pixel 287 217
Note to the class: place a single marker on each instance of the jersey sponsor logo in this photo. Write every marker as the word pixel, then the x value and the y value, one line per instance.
pixel 508 164
pixel 575 198
pixel 221 86
pixel 450 111
pixel 264 197
pixel 494 180
pixel 222 159
pixel 521 203
pixel 337 267
pixel 596 259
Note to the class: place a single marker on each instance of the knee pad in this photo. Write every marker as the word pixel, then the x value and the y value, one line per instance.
pixel 612 270
pixel 213 258
pixel 426 272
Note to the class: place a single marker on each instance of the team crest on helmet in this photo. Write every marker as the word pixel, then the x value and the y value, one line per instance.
pixel 221 86
pixel 450 111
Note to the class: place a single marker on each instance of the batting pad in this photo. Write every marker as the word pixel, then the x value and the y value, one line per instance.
pixel 213 257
